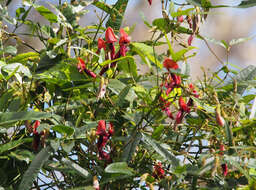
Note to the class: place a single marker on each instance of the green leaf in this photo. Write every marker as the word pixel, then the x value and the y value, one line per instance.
pixel 163 152
pixel 177 56
pixel 248 73
pixel 239 40
pixel 181 12
pixel 83 172
pixel 68 146
pixel 23 155
pixel 115 20
pixel 11 117
pixel 194 2
pixel 146 51
pixel 163 25
pixel 19 11
pixel 131 145
pixel 23 57
pixel 46 13
pixel 18 68
pixel 202 105
pixel 34 168
pixel 11 50
pixel 237 163
pixel 62 129
pixel 119 167
pixel 229 134
pixel 247 4
pixel 116 86
pixel 221 43
pixel 13 144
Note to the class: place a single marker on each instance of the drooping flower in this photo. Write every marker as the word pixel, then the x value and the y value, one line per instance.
pixel 183 106
pixel 101 44
pixel 168 113
pixel 110 36
pixel 224 169
pixel 170 64
pixel 179 117
pixel 104 136
pixel 219 119
pixel 38 137
pixel 81 67
pixel 101 129
pixel 222 149
pixel 150 2
pixel 36 124
pixel 190 39
pixel 124 38
pixel 180 18
pixel 158 171
pixel 176 79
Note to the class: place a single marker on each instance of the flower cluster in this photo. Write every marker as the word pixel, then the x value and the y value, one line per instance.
pixel 159 172
pixel 109 47
pixel 174 81
pixel 38 137
pixel 104 136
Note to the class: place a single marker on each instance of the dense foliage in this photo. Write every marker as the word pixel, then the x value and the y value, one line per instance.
pixel 81 114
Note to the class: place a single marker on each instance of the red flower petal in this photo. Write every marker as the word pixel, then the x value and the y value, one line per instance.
pixel 90 73
pixel 110 35
pixel 190 39
pixel 101 129
pixel 150 2
pixel 80 64
pixel 124 38
pixel 179 117
pixel 158 171
pixel 111 129
pixel 224 169
pixel 101 44
pixel 170 64
pixel 36 124
pixel 183 106
pixel 180 18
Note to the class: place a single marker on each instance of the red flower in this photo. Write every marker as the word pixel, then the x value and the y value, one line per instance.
pixel 36 124
pixel 190 39
pixel 220 120
pixel 101 44
pixel 103 139
pixel 150 2
pixel 110 35
pixel 183 106
pixel 176 79
pixel 90 73
pixel 81 67
pixel 222 149
pixel 124 38
pixel 111 129
pixel 179 117
pixel 224 169
pixel 158 171
pixel 168 112
pixel 170 64
pixel 101 129
pixel 180 18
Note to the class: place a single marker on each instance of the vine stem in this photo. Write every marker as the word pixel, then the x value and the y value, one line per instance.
pixel 208 46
